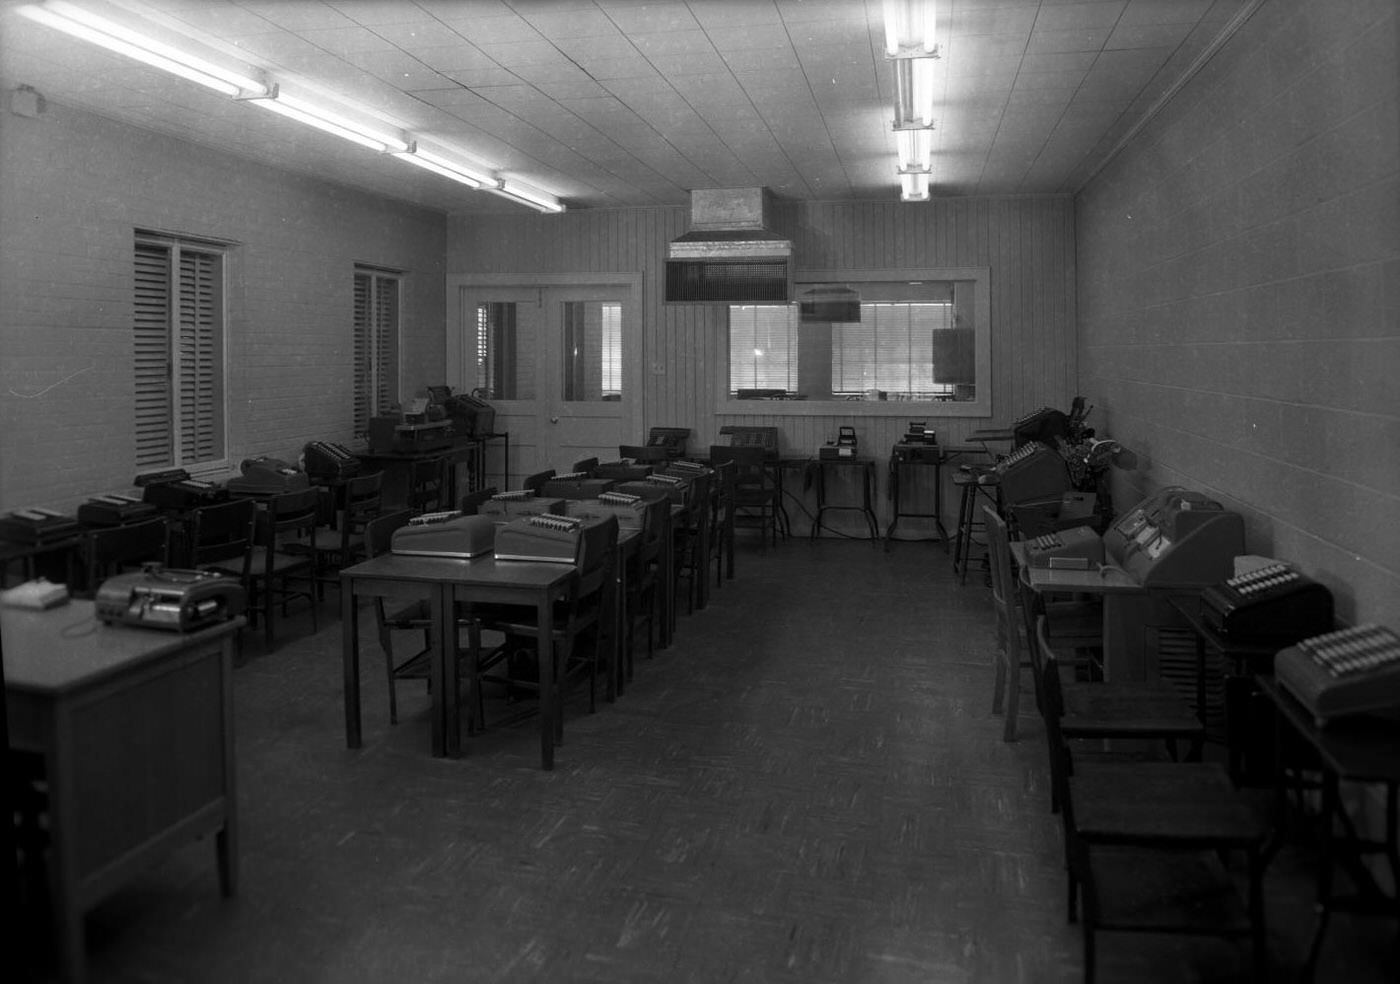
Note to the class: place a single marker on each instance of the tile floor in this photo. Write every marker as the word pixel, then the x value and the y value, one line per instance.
pixel 807 787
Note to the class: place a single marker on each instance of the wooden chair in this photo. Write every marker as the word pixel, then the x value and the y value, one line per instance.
pixel 536 481
pixel 585 465
pixel 756 497
pixel 343 545
pixel 722 516
pixel 1079 625
pixel 222 534
pixel 645 454
pixel 114 549
pixel 582 630
pixel 690 532
pixel 427 484
pixel 277 576
pixel 471 502
pixel 413 616
pixel 1135 713
pixel 1145 844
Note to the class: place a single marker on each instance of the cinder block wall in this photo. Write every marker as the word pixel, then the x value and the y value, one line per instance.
pixel 1239 293
pixel 73 188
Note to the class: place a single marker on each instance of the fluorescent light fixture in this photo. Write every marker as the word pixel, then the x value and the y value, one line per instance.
pixel 913 92
pixel 913 186
pixel 429 161
pixel 909 28
pixel 915 149
pixel 373 136
pixel 526 196
pixel 89 27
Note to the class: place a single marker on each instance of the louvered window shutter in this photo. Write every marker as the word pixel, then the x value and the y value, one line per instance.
pixel 155 411
pixel 200 366
pixel 376 345
pixel 763 347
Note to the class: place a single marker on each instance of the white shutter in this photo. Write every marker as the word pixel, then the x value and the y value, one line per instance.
pixel 363 354
pixel 375 345
pixel 200 362
pixel 154 408
pixel 386 333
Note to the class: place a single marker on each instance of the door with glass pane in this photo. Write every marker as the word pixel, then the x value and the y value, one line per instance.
pixel 553 360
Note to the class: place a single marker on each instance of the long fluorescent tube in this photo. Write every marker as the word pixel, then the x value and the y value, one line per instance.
pixel 89 27
pixel 915 149
pixel 913 92
pixel 446 167
pixel 910 28
pixel 914 186
pixel 365 134
pixel 535 199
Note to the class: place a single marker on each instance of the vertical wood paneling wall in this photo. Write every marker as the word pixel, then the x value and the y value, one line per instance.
pixel 1240 293
pixel 1028 244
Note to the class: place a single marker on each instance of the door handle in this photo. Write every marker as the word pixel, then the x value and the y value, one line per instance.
pixel 554 420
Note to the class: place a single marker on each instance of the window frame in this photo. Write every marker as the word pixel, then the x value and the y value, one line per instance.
pixel 982 348
pixel 391 389
pixel 175 244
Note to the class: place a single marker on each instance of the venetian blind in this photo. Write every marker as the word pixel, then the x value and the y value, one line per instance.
pixel 762 347
pixel 376 344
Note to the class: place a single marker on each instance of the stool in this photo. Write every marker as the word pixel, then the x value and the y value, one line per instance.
pixel 974 481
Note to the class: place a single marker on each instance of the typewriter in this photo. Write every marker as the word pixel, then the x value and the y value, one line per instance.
pixel 164 598
pixel 671 438
pixel 505 506
pixel 576 485
pixel 622 471
pixel 1033 471
pixel 115 510
pixel 673 487
pixel 1347 672
pixel 328 461
pixel 395 434
pixel 630 510
pixel 1269 604
pixel 845 446
pixel 555 539
pixel 36 526
pixel 264 477
pixel 684 468
pixel 470 416
pixel 445 534
pixel 175 490
pixel 1076 548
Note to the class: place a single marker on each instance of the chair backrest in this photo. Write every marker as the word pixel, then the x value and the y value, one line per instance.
pixel 222 531
pixel 1060 767
pixel 536 481
pixel 471 502
pixel 116 547
pixel 751 463
pixel 585 465
pixel 1003 588
pixel 379 534
pixel 291 515
pixel 596 555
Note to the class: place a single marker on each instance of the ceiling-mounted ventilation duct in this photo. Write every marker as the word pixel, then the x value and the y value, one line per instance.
pixel 729 256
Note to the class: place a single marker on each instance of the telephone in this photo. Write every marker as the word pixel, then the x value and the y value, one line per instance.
pixel 1350 671
pixel 327 460
pixel 1271 603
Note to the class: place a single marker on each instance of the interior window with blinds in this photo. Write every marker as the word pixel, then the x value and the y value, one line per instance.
pixel 883 341
pixel 179 352
pixel 376 329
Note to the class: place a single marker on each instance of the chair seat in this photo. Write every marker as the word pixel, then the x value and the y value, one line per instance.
pixel 1162 803
pixel 1136 716
pixel 282 562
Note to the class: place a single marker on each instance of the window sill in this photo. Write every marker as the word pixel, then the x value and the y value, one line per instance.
pixel 852 408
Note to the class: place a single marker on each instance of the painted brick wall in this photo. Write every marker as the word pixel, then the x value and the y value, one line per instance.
pixel 73 187
pixel 1239 293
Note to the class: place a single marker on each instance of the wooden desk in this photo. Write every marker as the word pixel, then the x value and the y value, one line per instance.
pixel 1125 606
pixel 1362 749
pixel 484 580
pixel 135 729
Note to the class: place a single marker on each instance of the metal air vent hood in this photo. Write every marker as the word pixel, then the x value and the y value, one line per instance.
pixel 729 256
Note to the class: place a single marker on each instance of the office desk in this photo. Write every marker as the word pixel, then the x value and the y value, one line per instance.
pixel 64 554
pixel 470 451
pixel 944 454
pixel 865 473
pixel 135 729
pixel 1362 749
pixel 483 580
pixel 1125 604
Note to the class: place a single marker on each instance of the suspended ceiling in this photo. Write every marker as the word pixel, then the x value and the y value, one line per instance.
pixel 615 103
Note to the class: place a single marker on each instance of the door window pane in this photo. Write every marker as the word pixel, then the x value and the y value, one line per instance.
pixel 592 351
pixel 505 355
